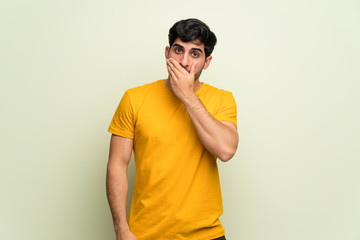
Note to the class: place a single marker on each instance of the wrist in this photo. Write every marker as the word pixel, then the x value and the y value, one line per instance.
pixel 190 99
pixel 121 227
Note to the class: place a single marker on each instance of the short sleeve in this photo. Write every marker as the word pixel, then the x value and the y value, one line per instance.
pixel 122 123
pixel 227 109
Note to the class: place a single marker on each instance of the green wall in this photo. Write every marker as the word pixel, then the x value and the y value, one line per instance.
pixel 293 67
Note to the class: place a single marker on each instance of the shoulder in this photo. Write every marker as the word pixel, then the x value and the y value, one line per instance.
pixel 137 96
pixel 140 90
pixel 212 91
pixel 216 100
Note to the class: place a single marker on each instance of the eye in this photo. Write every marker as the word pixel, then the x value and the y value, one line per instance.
pixel 195 54
pixel 178 50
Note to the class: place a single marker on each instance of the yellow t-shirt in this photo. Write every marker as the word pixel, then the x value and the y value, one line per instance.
pixel 177 189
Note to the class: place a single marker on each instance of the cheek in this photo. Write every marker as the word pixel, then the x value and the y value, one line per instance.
pixel 172 55
pixel 176 58
pixel 200 65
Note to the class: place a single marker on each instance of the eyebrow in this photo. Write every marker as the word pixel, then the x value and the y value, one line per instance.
pixel 196 49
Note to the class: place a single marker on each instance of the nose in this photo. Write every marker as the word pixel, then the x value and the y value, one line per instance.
pixel 184 61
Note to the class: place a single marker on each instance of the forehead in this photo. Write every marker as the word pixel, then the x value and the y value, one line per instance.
pixel 190 45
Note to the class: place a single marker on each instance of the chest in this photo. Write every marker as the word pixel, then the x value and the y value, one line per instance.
pixel 163 120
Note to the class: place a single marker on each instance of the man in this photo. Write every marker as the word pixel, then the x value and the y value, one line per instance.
pixel 177 128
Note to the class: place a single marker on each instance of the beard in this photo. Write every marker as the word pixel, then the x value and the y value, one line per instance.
pixel 197 74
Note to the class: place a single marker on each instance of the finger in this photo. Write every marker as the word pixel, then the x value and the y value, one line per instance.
pixel 177 66
pixel 171 72
pixel 173 69
pixel 192 69
pixel 169 67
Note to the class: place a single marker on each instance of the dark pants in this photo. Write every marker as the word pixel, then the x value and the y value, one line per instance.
pixel 220 238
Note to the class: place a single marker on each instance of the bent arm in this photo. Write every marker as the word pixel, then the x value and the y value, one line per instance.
pixel 219 137
pixel 117 184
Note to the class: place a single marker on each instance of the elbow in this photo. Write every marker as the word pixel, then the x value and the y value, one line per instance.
pixel 228 148
pixel 227 153
pixel 225 157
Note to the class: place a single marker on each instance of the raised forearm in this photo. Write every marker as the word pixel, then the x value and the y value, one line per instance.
pixel 219 138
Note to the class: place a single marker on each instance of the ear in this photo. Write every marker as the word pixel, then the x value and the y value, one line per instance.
pixel 207 62
pixel 167 49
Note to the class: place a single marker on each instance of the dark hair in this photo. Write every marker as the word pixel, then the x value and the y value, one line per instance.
pixel 193 29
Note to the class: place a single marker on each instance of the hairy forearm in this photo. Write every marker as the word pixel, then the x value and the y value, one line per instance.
pixel 218 138
pixel 117 189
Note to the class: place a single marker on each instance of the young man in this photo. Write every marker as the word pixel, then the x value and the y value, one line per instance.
pixel 177 128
